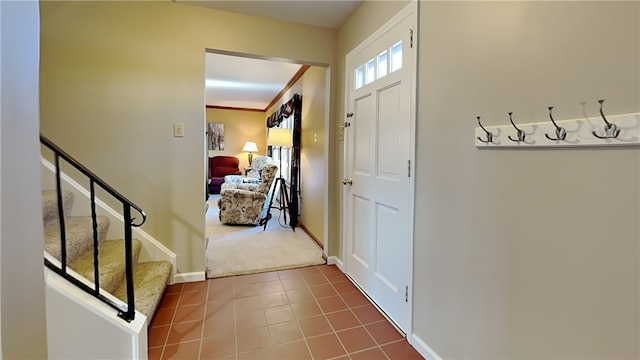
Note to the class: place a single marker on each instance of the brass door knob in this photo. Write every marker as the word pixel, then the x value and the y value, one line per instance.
pixel 347 181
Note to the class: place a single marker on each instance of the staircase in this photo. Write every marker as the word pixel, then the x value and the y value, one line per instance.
pixel 149 278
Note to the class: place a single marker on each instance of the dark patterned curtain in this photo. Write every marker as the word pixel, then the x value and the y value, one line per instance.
pixel 288 108
pixel 293 106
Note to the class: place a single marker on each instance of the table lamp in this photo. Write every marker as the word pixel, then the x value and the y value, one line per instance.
pixel 251 147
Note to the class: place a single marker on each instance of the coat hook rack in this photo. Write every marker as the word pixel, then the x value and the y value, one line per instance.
pixel 561 133
pixel 519 133
pixel 489 134
pixel 611 131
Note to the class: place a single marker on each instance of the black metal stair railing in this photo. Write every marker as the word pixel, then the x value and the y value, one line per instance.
pixel 127 314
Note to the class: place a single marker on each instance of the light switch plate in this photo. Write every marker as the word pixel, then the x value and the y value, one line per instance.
pixel 178 129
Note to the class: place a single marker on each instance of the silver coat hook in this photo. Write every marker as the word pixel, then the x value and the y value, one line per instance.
pixel 519 133
pixel 611 131
pixel 561 133
pixel 489 134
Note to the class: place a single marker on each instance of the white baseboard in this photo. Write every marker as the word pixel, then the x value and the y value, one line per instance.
pixel 423 348
pixel 333 260
pixel 190 277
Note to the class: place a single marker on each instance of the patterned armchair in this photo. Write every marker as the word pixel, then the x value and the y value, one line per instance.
pixel 252 177
pixel 249 203
pixel 256 166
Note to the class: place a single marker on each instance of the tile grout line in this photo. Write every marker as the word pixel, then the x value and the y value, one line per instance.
pixel 327 319
pixel 173 317
pixel 304 337
pixel 375 322
pixel 235 318
pixel 263 311
pixel 175 311
pixel 204 316
pixel 364 326
pixel 350 308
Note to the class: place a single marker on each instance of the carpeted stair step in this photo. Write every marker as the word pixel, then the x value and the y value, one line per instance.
pixel 110 261
pixel 50 204
pixel 150 280
pixel 79 234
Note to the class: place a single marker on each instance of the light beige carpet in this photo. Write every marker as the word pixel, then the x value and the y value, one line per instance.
pixel 237 250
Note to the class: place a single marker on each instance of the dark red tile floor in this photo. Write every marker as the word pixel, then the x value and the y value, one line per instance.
pixel 307 313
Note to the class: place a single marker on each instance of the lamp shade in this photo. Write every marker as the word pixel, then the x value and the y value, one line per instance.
pixel 280 137
pixel 250 146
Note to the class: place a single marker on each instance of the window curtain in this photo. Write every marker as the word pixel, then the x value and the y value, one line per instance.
pixel 292 107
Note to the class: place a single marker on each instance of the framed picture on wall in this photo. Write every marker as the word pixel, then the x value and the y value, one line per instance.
pixel 215 133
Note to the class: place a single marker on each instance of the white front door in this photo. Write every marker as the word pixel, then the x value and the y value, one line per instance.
pixel 378 150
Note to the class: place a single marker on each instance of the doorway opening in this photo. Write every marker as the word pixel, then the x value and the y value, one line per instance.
pixel 233 95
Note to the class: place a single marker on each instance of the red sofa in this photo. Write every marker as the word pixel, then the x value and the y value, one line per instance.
pixel 219 167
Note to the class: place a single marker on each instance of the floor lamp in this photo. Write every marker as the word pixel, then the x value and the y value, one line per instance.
pixel 281 137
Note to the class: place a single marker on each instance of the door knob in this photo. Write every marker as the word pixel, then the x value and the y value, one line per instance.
pixel 347 181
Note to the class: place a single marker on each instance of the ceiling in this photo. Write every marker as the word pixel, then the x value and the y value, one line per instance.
pixel 252 83
pixel 243 82
pixel 323 13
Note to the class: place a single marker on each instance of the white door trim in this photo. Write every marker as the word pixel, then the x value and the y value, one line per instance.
pixel 411 8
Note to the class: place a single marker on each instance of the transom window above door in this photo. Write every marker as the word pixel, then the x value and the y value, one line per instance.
pixel 386 62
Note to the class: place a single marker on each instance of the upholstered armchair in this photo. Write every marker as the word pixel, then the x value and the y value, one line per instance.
pixel 256 166
pixel 252 177
pixel 249 204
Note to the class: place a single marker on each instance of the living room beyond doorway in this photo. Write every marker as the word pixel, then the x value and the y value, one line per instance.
pixel 243 249
pixel 244 122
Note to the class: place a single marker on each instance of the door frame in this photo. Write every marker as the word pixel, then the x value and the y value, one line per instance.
pixel 410 10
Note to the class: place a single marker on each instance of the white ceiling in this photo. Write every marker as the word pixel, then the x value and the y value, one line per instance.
pixel 245 82
pixel 323 13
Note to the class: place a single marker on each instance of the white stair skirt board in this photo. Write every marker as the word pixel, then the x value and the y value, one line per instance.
pixel 236 249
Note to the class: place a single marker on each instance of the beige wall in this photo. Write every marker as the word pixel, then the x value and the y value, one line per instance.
pixel 312 162
pixel 22 296
pixel 312 87
pixel 239 127
pixel 521 254
pixel 115 76
pixel 526 254
pixel 517 253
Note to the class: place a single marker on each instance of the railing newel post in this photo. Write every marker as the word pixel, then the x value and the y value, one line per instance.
pixel 128 246
pixel 61 222
pixel 94 223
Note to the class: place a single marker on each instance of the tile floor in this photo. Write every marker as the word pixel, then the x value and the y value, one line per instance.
pixel 308 313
